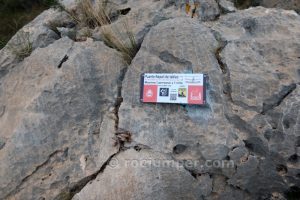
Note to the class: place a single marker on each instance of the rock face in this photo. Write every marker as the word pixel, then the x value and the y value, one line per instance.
pixel 284 4
pixel 288 5
pixel 65 109
pixel 56 117
pixel 230 125
pixel 124 181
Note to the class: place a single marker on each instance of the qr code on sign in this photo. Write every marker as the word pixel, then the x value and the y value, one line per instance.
pixel 173 97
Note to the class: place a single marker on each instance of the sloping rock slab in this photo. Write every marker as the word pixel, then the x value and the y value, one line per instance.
pixel 57 122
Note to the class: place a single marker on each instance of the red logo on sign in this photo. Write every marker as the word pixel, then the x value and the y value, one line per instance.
pixel 150 93
pixel 195 95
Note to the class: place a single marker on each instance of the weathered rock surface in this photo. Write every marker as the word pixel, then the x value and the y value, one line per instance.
pixel 253 39
pixel 284 4
pixel 135 178
pixel 60 109
pixel 226 6
pixel 288 5
pixel 176 51
pixel 262 66
pixel 57 123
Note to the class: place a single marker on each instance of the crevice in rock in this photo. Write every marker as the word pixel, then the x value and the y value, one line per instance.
pixel 25 179
pixel 65 58
pixel 276 99
pixel 70 192
pixel 121 136
pixel 117 106
pixel 218 52
pixel 223 66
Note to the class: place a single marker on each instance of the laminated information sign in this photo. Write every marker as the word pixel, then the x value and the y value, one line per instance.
pixel 174 88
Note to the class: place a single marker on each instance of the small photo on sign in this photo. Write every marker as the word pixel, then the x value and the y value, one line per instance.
pixel 164 92
pixel 182 92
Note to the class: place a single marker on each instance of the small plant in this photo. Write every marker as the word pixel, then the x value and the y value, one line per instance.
pixel 21 45
pixel 92 14
pixel 124 42
pixel 72 13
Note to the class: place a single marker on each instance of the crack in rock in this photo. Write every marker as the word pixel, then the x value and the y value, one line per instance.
pixel 18 187
pixel 223 66
pixel 276 99
pixel 71 191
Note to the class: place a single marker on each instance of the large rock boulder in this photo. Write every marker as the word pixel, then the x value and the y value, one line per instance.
pixel 232 124
pixel 57 119
pixel 185 46
pixel 72 124
pixel 261 62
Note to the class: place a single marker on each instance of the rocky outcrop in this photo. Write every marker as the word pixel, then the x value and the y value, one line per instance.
pixel 284 4
pixel 261 86
pixel 73 127
pixel 168 182
pixel 288 5
pixel 228 128
pixel 58 118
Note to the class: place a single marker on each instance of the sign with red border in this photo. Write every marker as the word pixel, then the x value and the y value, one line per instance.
pixel 174 88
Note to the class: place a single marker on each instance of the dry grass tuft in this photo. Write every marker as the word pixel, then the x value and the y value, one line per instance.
pixel 96 13
pixel 21 46
pixel 93 14
pixel 124 42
